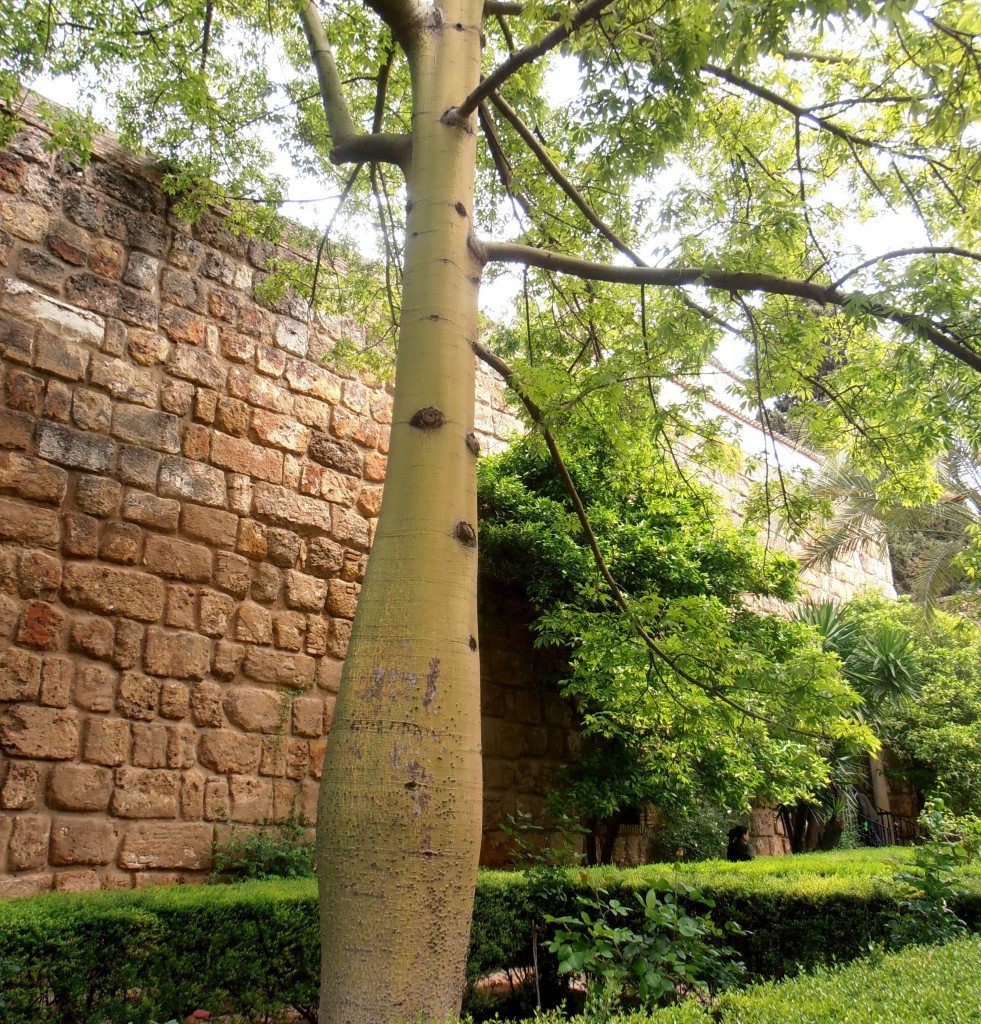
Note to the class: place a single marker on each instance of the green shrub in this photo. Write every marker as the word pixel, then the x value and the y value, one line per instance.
pixel 276 849
pixel 920 985
pixel 240 950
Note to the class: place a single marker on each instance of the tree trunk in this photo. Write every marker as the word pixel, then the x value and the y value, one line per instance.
pixel 400 805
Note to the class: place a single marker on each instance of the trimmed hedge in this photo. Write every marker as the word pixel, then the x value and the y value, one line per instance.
pixel 920 985
pixel 240 949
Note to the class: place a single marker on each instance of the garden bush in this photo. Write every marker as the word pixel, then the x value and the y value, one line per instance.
pixel 920 985
pixel 160 953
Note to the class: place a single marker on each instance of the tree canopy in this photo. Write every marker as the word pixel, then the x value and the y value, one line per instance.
pixel 721 169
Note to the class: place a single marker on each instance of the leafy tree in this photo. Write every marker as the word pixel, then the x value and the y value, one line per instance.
pixel 778 122
pixel 740 704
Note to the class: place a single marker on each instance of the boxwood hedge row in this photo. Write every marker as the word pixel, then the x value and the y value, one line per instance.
pixel 158 953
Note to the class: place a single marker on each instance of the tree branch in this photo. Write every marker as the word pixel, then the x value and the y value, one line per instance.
pixel 349 146
pixel 527 55
pixel 925 250
pixel 551 168
pixel 730 281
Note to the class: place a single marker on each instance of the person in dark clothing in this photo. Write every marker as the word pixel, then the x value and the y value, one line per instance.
pixel 739 848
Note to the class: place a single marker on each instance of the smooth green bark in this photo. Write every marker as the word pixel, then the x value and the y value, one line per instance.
pixel 400 808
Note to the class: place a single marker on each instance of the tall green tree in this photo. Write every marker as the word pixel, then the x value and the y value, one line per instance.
pixel 778 123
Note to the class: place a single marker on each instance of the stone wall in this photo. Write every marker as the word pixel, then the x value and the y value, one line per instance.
pixel 188 490
pixel 187 499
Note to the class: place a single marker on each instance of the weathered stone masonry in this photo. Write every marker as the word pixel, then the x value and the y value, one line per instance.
pixel 187 499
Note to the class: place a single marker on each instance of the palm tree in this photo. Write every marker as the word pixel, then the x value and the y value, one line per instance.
pixel 864 518
pixel 877 662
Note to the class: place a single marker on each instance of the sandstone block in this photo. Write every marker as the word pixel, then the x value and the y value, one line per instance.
pixel 77 881
pixel 40 627
pixel 312 412
pixel 280 431
pixel 342 598
pixel 257 390
pixel 255 710
pixel 196 444
pixel 252 542
pixel 181 602
pixel 149 510
pixel 232 416
pixel 74 448
pixel 91 410
pixel 217 806
pixel 289 630
pixel 79 787
pixel 112 591
pixel 147 428
pixel 266 583
pixel 253 624
pixel 344 456
pixel 192 795
pixel 239 493
pixel 273 759
pixel 29 524
pixel 180 655
pixel 20 675
pixel 145 793
pixel 185 846
pixel 175 700
pixel 176 396
pixel 229 753
pixel 138 466
pixel 177 559
pixel 206 706
pixel 149 745
pixel 241 456
pixel 307 378
pixel 315 642
pixel 48 734
pixel 121 542
pixel 267 665
pixel 251 798
pixel 308 717
pixel 32 478
pixel 94 688
pixel 28 846
pixel 338 638
pixel 228 659
pixel 137 696
pixel 97 495
pixel 111 299
pixel 349 527
pixel 129 643
pixel 106 742
pixel 58 318
pixel 81 537
pixel 181 744
pixel 303 756
pixel 197 366
pixel 38 575
pixel 83 841
pixel 294 511
pixel 65 359
pixel 329 674
pixel 232 574
pixel 211 525
pixel 20 886
pixel 216 613
pixel 20 788
pixel 141 271
pixel 306 593
pixel 369 501
pixel 124 381
pixel 324 558
pixel 56 680
pixel 269 361
pixel 16 429
pixel 181 478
